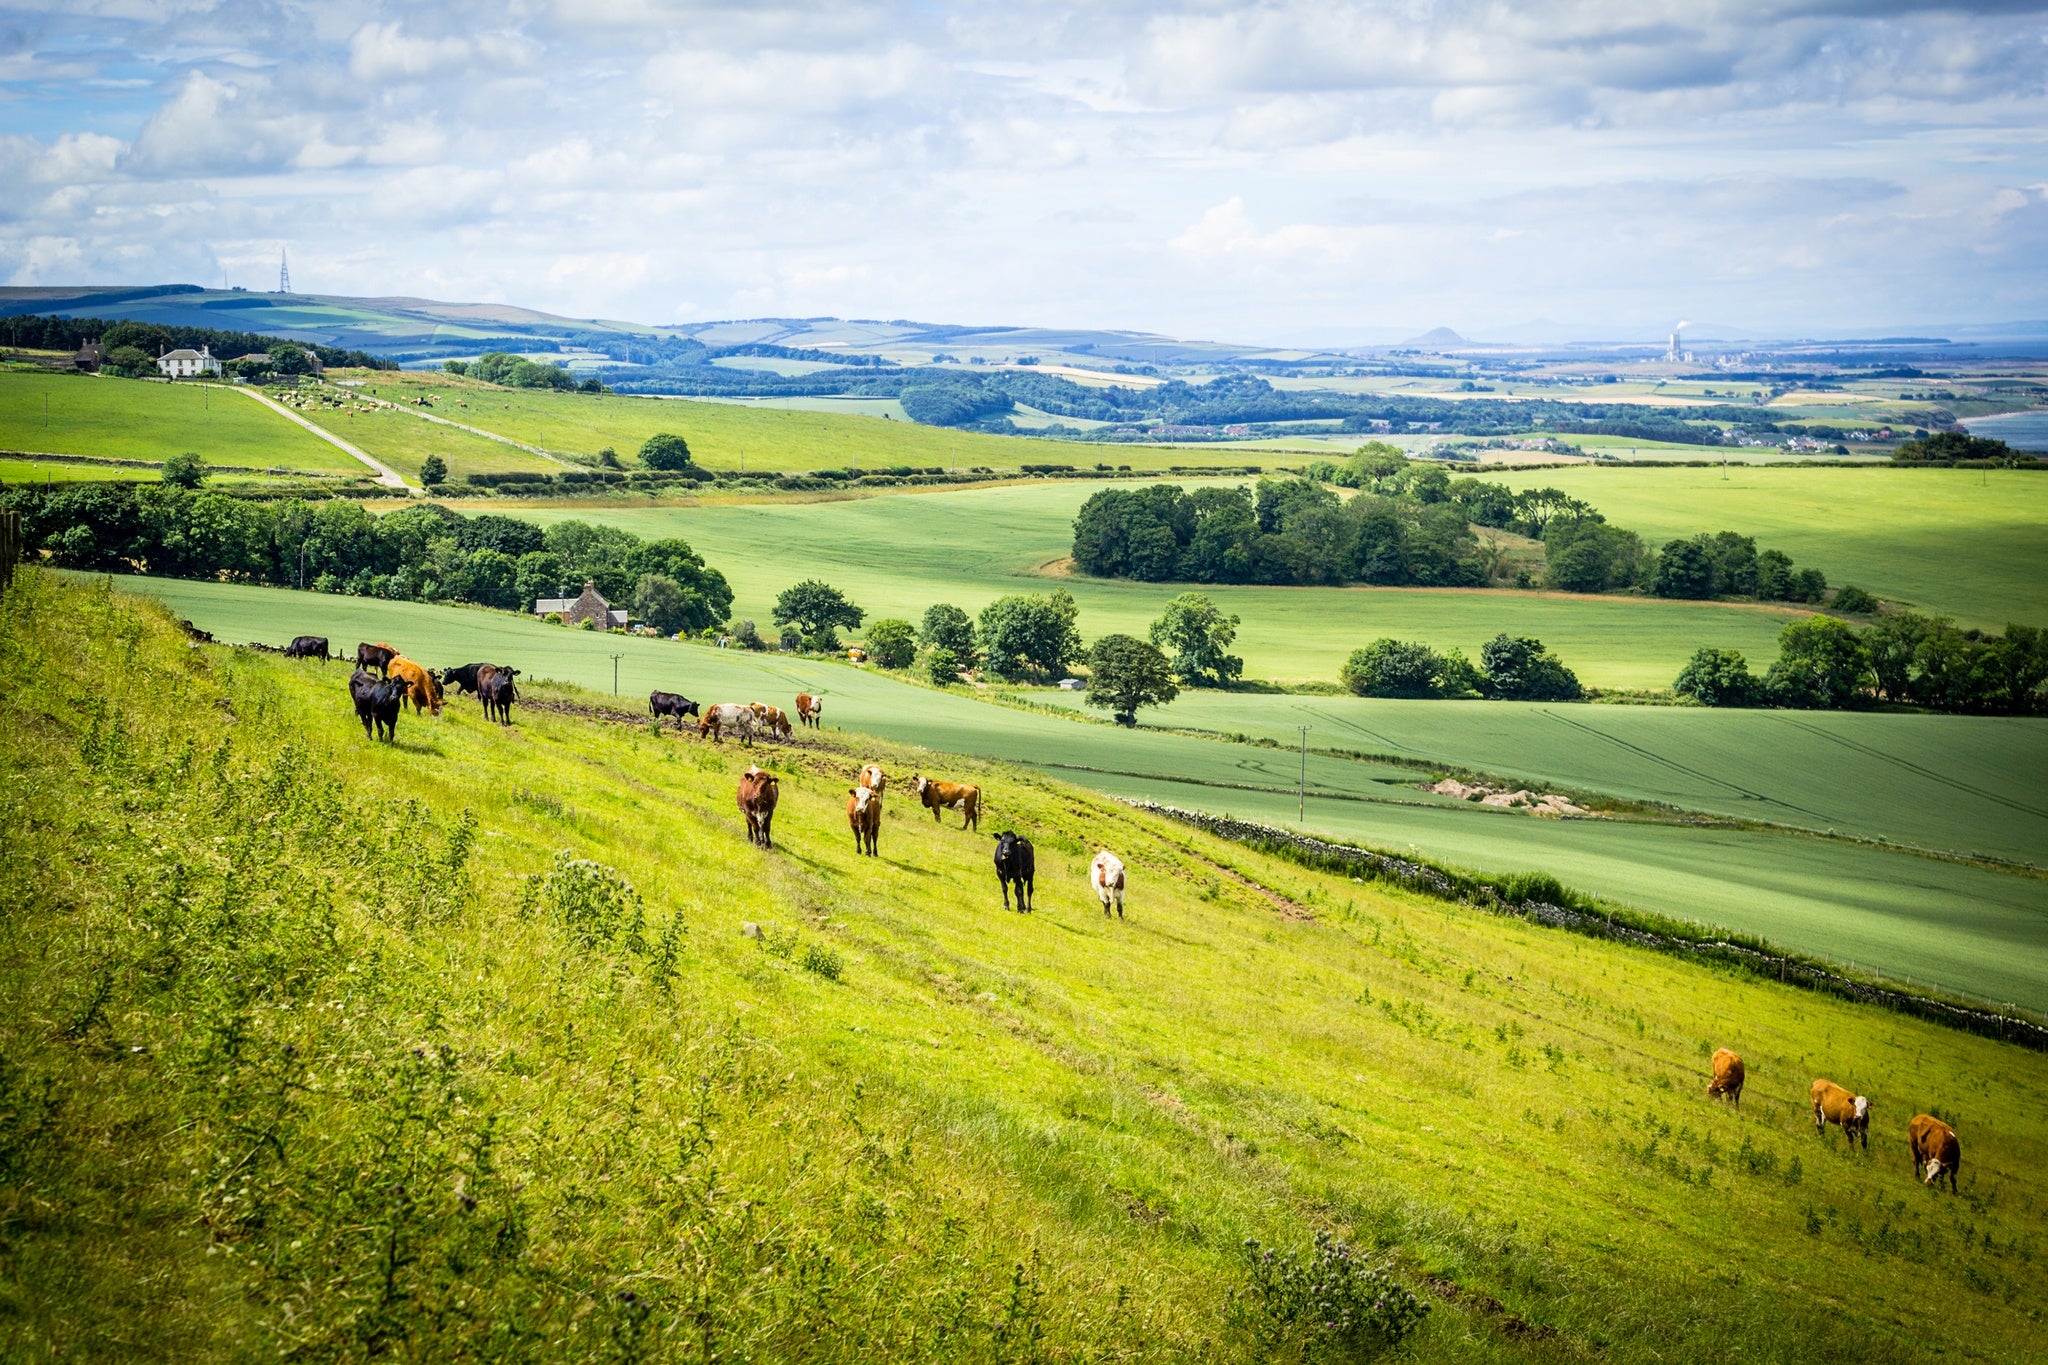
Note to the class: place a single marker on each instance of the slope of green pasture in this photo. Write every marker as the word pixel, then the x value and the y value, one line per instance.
pixel 1965 543
pixel 314 1069
pixel 775 438
pixel 1964 784
pixel 897 555
pixel 1889 910
pixel 404 441
pixel 133 419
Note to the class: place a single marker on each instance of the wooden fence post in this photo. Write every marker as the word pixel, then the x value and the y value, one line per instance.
pixel 10 545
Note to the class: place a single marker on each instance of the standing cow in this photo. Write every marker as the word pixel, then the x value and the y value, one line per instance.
pixel 421 684
pixel 729 715
pixel 1728 1076
pixel 378 657
pixel 675 704
pixel 759 792
pixel 872 777
pixel 772 719
pixel 864 816
pixel 808 709
pixel 462 679
pixel 964 797
pixel 377 700
pixel 307 647
pixel 1937 1152
pixel 1106 875
pixel 495 686
pixel 1015 863
pixel 1832 1104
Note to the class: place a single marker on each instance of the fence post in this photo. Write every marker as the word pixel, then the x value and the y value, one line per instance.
pixel 10 545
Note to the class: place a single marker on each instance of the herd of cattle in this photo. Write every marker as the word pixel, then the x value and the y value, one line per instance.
pixel 1936 1150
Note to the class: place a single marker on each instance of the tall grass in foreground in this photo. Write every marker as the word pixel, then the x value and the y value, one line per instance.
pixel 452 1049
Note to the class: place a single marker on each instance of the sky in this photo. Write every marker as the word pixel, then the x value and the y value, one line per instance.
pixel 1310 172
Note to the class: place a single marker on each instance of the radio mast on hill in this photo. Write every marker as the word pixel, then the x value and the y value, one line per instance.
pixel 284 273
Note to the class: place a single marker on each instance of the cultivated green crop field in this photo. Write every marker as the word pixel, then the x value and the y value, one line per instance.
pixel 319 1070
pixel 1965 927
pixel 896 555
pixel 404 441
pixel 1954 542
pixel 134 419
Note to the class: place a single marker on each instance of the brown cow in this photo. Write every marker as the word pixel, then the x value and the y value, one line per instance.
pixel 420 683
pixel 378 657
pixel 864 816
pixel 1936 1150
pixel 808 708
pixel 495 686
pixel 1832 1104
pixel 873 778
pixel 1728 1076
pixel 964 797
pixel 758 794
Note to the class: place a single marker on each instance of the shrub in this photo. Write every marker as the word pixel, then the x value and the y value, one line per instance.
pixel 183 470
pixel 948 627
pixel 664 451
pixel 1854 600
pixel 1718 677
pixel 746 636
pixel 433 471
pixel 892 643
pixel 1519 668
pixel 591 901
pixel 942 666
pixel 1393 668
pixel 1329 1294
pixel 825 961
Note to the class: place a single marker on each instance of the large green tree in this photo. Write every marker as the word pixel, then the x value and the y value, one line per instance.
pixel 1125 673
pixel 1023 635
pixel 666 451
pixel 1519 668
pixel 1393 668
pixel 1821 663
pixel 1195 636
pixel 817 611
pixel 948 627
pixel 891 643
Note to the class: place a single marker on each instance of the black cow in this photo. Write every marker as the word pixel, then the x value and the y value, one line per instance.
pixel 1015 863
pixel 378 657
pixel 498 693
pixel 378 699
pixel 463 678
pixel 675 704
pixel 307 647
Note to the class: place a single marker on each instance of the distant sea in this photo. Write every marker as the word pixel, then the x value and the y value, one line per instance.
pixel 2020 430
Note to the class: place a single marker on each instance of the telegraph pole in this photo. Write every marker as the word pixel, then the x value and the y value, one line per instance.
pixel 615 673
pixel 1301 792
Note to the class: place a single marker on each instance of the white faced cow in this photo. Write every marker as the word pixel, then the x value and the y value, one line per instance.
pixel 729 715
pixel 1106 875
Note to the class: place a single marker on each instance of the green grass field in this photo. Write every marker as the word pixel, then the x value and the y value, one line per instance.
pixel 1964 927
pixel 1957 542
pixel 133 419
pixel 404 441
pixel 317 1054
pixel 897 555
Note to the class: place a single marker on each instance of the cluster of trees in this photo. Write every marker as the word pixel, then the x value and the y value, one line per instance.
pixel 1825 663
pixel 424 553
pixel 517 372
pixel 1949 447
pixel 149 338
pixel 1284 531
pixel 1510 668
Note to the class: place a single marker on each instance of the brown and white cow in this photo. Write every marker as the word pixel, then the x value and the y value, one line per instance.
pixel 864 817
pixel 771 719
pixel 808 709
pixel 421 686
pixel 758 794
pixel 872 776
pixel 1106 875
pixel 1728 1076
pixel 964 797
pixel 1832 1104
pixel 1937 1152
pixel 729 715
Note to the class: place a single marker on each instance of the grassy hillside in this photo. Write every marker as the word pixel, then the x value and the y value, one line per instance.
pixel 897 555
pixel 134 419
pixel 1966 927
pixel 403 441
pixel 319 1046
pixel 1965 543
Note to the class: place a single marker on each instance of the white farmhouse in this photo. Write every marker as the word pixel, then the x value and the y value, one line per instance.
pixel 186 364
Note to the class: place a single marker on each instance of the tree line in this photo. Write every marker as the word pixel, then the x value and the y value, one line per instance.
pixel 1827 664
pixel 517 372
pixel 68 334
pixel 424 553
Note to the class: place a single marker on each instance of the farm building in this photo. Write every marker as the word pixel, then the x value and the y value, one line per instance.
pixel 590 605
pixel 88 358
pixel 184 363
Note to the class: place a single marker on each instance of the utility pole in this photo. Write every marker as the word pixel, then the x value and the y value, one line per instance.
pixel 1301 792
pixel 615 673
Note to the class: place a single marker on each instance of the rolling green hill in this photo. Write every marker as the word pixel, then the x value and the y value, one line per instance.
pixel 1966 927
pixel 133 419
pixel 454 1048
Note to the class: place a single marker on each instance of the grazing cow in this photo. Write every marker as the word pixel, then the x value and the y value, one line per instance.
pixel 462 679
pixel 1106 875
pixel 964 797
pixel 872 776
pixel 1832 1104
pixel 864 815
pixel 421 684
pixel 378 657
pixel 1728 1076
pixel 496 688
pixel 771 719
pixel 1015 862
pixel 675 704
pixel 729 715
pixel 379 700
pixel 758 793
pixel 1936 1150
pixel 808 708
pixel 307 647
